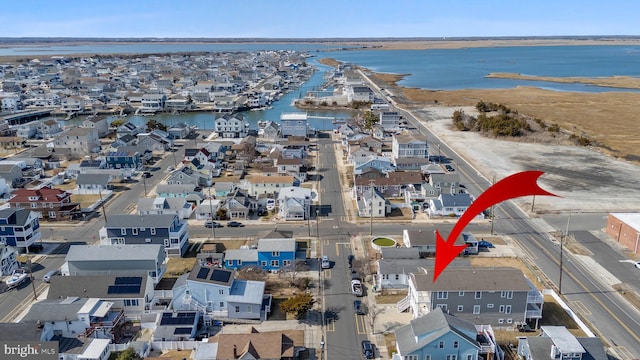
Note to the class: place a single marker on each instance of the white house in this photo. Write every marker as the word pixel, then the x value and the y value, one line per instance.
pixel 231 126
pixel 271 185
pixel 153 102
pixel 373 204
pixel 72 104
pixel 82 141
pixel 390 120
pixel 451 205
pixel 161 205
pixel 409 145
pixel 293 124
pixel 294 203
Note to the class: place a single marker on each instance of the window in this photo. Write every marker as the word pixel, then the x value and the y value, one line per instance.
pixel 166 242
pixel 509 321
pixel 501 309
pixel 275 253
pixel 239 262
pixel 469 357
pixel 221 304
pixel 456 344
pixel 441 345
pixel 237 309
pixel 427 357
pixel 509 294
pixel 123 231
pixel 34 205
pixel 249 308
pixel 476 309
pixel 153 231
pixel 275 263
pixel 147 240
pixel 286 262
pixel 411 357
pixel 478 295
pixel 130 302
pixel 500 321
pixel 489 306
pixel 460 293
pixel 452 357
pixel 229 262
pixel 507 309
pixel 460 308
pixel 134 231
pixel 263 263
pixel 443 307
pixel 442 295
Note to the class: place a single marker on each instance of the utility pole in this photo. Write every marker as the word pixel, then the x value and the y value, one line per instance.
pixel 309 221
pixel 104 213
pixel 213 228
pixel 562 238
pixel 317 223
pixel 144 182
pixel 493 181
pixel 533 202
pixel 371 184
pixel 33 285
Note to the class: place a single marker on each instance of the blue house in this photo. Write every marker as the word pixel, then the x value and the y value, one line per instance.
pixel 124 160
pixel 167 230
pixel 440 336
pixel 19 227
pixel 277 251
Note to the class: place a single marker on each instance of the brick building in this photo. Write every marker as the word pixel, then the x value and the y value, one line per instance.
pixel 625 229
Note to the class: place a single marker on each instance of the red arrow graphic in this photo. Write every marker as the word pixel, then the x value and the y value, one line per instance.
pixel 517 185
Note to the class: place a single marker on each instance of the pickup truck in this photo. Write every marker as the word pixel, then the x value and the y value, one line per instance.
pixel 356 287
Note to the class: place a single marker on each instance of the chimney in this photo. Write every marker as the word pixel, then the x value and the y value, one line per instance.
pixel 235 352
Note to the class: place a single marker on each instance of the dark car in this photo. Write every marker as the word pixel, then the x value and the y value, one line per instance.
pixel 146 174
pixel 350 259
pixel 359 308
pixel 212 224
pixel 235 224
pixel 449 168
pixel 35 248
pixel 367 349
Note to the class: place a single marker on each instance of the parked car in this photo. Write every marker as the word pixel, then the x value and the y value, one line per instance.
pixel 367 349
pixel 212 224
pixel 235 224
pixel 325 263
pixel 146 174
pixel 47 277
pixel 637 265
pixel 350 258
pixel 449 168
pixel 359 308
pixel 35 248
pixel 356 288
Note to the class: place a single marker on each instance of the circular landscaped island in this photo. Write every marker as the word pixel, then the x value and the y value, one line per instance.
pixel 381 242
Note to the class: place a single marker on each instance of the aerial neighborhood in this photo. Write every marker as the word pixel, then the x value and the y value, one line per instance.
pixel 249 241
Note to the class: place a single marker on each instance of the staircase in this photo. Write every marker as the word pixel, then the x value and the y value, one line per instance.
pixel 404 304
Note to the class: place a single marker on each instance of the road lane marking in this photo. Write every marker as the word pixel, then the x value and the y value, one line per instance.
pixel 330 325
pixel 581 307
pixel 623 352
pixel 327 273
pixel 361 325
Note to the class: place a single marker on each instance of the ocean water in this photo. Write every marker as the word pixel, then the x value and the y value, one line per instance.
pixel 454 69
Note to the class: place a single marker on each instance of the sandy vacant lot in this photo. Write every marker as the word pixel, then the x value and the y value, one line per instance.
pixel 586 180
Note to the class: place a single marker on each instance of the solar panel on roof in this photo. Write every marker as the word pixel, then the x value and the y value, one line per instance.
pixel 202 273
pixel 182 331
pixel 123 289
pixel 128 280
pixel 220 275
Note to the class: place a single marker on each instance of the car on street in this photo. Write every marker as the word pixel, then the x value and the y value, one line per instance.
pixel 325 263
pixel 449 168
pixel 146 174
pixel 212 224
pixel 356 288
pixel 637 264
pixel 350 258
pixel 47 277
pixel 18 277
pixel 35 248
pixel 358 307
pixel 235 224
pixel 367 349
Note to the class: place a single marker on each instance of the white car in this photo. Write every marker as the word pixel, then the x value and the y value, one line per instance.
pixel 325 264
pixel 18 277
pixel 637 264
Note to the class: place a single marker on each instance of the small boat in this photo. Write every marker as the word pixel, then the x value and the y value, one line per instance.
pixel 18 277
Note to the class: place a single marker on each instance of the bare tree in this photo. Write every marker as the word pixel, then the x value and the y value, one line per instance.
pixel 292 272
pixel 374 313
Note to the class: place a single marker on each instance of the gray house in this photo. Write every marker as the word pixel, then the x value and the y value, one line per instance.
pixel 84 260
pixel 167 230
pixel 12 174
pixel 556 342
pixel 499 297
pixel 161 205
pixel 92 183
pixel 186 176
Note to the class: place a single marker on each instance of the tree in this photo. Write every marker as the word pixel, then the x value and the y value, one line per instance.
pixel 370 119
pixel 155 124
pixel 292 271
pixel 118 122
pixel 298 304
pixel 373 315
pixel 128 354
pixel 222 214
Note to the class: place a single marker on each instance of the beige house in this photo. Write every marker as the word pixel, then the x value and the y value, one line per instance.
pixel 81 141
pixel 269 184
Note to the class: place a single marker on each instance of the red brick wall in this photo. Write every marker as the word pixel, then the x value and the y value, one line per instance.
pixel 622 233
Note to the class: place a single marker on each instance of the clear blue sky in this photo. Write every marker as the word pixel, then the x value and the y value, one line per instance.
pixel 313 19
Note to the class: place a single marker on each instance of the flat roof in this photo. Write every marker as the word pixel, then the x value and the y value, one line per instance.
pixel 631 219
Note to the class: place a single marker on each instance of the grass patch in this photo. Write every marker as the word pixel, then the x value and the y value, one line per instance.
pixel 628 294
pixel 390 298
pixel 554 314
pixel 85 200
pixel 384 241
pixel 390 343
pixel 177 266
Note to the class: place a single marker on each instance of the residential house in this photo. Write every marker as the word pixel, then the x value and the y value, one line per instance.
pixel 152 103
pixel 219 295
pixel 125 140
pixel 291 166
pixel 11 174
pixel 190 192
pixel 129 293
pixel 391 186
pixel 124 160
pixel 381 163
pixel 129 129
pixel 443 183
pixel 277 251
pixel 364 143
pixel 165 206
pixel 359 93
pixel 187 176
pixel 413 163
pixel 238 204
pixel 167 230
pixel 271 131
pixel 208 209
pixel 74 317
pixel 51 204
pixel 176 326
pixel 72 104
pixel 12 142
pixel 438 335
pixel 81 141
pixel 93 183
pixel 409 145
pixel 271 185
pixel 146 155
pixel 231 126
pixel 177 103
pixel 373 204
pixel 425 241
pixel 27 131
pixel 494 296
pixel 390 120
pixel 11 102
pixel 450 205
pixel 345 130
pixel 123 260
pixel 239 258
pixel 201 154
pixel 294 203
pixel 47 128
pixel 100 123
pixel 281 345
pixel 224 188
pixel 8 259
pixel 157 141
pixel 293 124
pixel 180 130
pixel 556 342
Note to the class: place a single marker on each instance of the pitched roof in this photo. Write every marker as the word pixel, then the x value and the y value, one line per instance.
pixel 114 252
pixel 394 178
pixel 91 286
pixel 133 220
pixel 276 179
pixel 267 345
pixel 474 279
